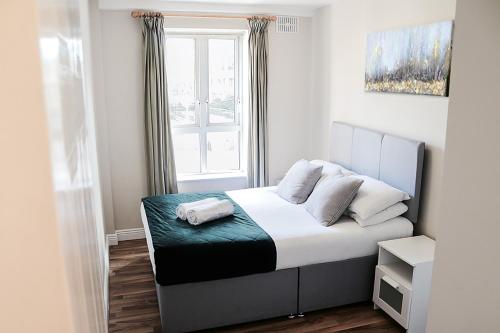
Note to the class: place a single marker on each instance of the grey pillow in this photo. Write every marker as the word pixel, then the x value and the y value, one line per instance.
pixel 331 198
pixel 299 181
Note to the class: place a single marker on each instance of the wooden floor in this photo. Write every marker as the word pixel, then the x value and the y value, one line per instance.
pixel 134 307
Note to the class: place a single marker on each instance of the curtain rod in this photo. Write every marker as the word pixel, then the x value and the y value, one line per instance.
pixel 138 13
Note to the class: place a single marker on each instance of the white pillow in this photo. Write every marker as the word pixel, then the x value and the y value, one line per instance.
pixel 331 170
pixel 347 172
pixel 385 215
pixel 374 196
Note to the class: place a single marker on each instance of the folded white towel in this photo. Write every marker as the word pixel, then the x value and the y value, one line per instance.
pixel 181 210
pixel 209 212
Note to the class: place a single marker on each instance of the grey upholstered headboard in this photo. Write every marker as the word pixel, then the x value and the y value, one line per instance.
pixel 394 160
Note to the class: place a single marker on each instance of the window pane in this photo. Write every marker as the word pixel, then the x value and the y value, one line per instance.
pixel 181 80
pixel 187 153
pixel 221 80
pixel 223 151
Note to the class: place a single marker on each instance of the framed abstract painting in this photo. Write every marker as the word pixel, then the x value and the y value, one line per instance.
pixel 413 60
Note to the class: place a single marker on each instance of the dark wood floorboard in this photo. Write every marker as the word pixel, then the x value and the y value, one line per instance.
pixel 133 306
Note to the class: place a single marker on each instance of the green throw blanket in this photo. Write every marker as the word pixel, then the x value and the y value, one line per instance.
pixel 228 247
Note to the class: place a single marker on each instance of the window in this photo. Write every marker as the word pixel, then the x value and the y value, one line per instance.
pixel 204 91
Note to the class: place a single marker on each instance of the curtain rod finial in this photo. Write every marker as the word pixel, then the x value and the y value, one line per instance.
pixel 139 13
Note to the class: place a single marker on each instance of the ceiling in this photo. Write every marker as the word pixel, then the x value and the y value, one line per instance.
pixel 275 7
pixel 308 3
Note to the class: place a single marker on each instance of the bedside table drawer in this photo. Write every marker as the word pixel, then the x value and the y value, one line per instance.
pixel 393 296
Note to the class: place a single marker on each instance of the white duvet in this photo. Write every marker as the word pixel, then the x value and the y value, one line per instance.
pixel 300 240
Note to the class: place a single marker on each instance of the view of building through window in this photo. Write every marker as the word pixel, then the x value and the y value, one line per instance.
pixel 204 98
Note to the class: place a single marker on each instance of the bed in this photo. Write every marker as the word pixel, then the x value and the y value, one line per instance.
pixel 313 267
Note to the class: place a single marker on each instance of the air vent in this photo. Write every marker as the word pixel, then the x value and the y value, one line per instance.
pixel 287 24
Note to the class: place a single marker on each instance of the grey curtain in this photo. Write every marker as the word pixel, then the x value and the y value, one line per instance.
pixel 258 132
pixel 160 154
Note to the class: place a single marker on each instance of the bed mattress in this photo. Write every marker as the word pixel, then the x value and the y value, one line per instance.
pixel 298 238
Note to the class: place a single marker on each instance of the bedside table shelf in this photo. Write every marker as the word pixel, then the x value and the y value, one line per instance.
pixel 403 279
pixel 399 271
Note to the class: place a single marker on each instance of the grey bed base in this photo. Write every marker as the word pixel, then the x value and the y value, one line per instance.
pixel 394 160
pixel 202 305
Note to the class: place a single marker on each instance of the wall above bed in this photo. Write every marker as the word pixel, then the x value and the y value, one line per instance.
pixel 339 50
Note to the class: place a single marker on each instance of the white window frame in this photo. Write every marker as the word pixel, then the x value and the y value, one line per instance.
pixel 202 125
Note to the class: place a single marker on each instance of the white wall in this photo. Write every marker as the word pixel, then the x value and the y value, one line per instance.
pixel 52 239
pixel 66 56
pixel 289 85
pixel 121 65
pixel 465 289
pixel 289 98
pixel 101 116
pixel 340 44
pixel 32 236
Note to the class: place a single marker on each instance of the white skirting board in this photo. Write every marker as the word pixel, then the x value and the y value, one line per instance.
pixel 111 240
pixel 125 234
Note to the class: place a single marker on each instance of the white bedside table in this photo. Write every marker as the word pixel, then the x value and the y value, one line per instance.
pixel 403 280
